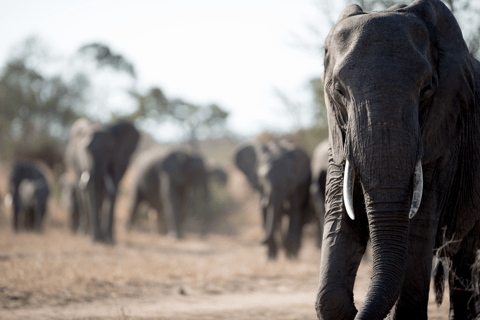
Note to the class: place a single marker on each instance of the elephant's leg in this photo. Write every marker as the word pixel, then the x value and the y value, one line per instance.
pixel 272 212
pixel 29 218
pixel 272 246
pixel 182 193
pixel 344 243
pixel 38 218
pixel 264 216
pixel 319 220
pixel 157 204
pixel 272 252
pixel 84 212
pixel 109 213
pixel 413 300
pixel 319 236
pixel 462 294
pixel 171 206
pixel 16 213
pixel 132 211
pixel 96 205
pixel 293 237
pixel 74 211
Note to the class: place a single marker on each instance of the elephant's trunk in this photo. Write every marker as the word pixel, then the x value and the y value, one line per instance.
pixel 385 164
pixel 270 223
pixel 389 234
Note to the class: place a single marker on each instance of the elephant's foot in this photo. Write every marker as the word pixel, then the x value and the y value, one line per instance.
pixel 96 236
pixel 108 239
pixel 82 229
pixel 175 234
pixel 291 255
pixel 292 247
pixel 272 252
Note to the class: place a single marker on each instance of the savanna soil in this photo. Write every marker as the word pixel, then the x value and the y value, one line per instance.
pixel 57 275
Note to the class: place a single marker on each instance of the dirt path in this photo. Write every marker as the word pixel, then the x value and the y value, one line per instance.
pixel 266 299
pixel 267 305
pixel 228 306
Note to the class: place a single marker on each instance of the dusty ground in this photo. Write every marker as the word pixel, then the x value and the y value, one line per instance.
pixel 57 275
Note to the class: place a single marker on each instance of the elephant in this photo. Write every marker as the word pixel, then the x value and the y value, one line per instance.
pixel 29 191
pixel 403 117
pixel 319 166
pixel 164 178
pixel 280 172
pixel 99 156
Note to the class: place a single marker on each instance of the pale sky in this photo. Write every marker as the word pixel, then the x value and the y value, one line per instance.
pixel 231 52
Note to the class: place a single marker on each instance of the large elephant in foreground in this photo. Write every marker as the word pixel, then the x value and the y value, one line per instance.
pixel 280 172
pixel 29 191
pixel 319 167
pixel 164 178
pixel 99 156
pixel 404 119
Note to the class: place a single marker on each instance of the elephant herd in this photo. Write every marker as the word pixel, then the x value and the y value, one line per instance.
pixel 97 157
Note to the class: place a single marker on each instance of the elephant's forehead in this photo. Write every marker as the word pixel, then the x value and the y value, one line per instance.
pixel 392 31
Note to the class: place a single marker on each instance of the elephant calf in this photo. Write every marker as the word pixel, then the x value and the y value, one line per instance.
pixel 280 172
pixel 164 178
pixel 29 192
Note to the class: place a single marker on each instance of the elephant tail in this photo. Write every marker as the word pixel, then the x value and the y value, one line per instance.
pixel 439 281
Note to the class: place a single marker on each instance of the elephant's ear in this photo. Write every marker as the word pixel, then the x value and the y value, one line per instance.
pixel 336 136
pixel 440 120
pixel 246 159
pixel 350 10
pixel 396 6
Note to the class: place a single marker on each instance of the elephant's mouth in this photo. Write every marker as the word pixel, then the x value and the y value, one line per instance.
pixel 348 183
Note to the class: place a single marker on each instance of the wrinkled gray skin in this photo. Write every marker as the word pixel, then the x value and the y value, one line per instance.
pixel 29 190
pixel 399 88
pixel 319 167
pixel 99 156
pixel 281 174
pixel 164 179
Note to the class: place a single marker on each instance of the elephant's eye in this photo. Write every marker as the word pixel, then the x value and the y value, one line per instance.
pixel 339 103
pixel 426 91
pixel 338 90
pixel 338 93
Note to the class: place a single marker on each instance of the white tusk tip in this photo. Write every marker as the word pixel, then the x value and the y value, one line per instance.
pixel 348 190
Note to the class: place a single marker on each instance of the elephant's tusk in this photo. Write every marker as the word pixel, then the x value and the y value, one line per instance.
pixel 8 200
pixel 84 178
pixel 417 190
pixel 348 190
